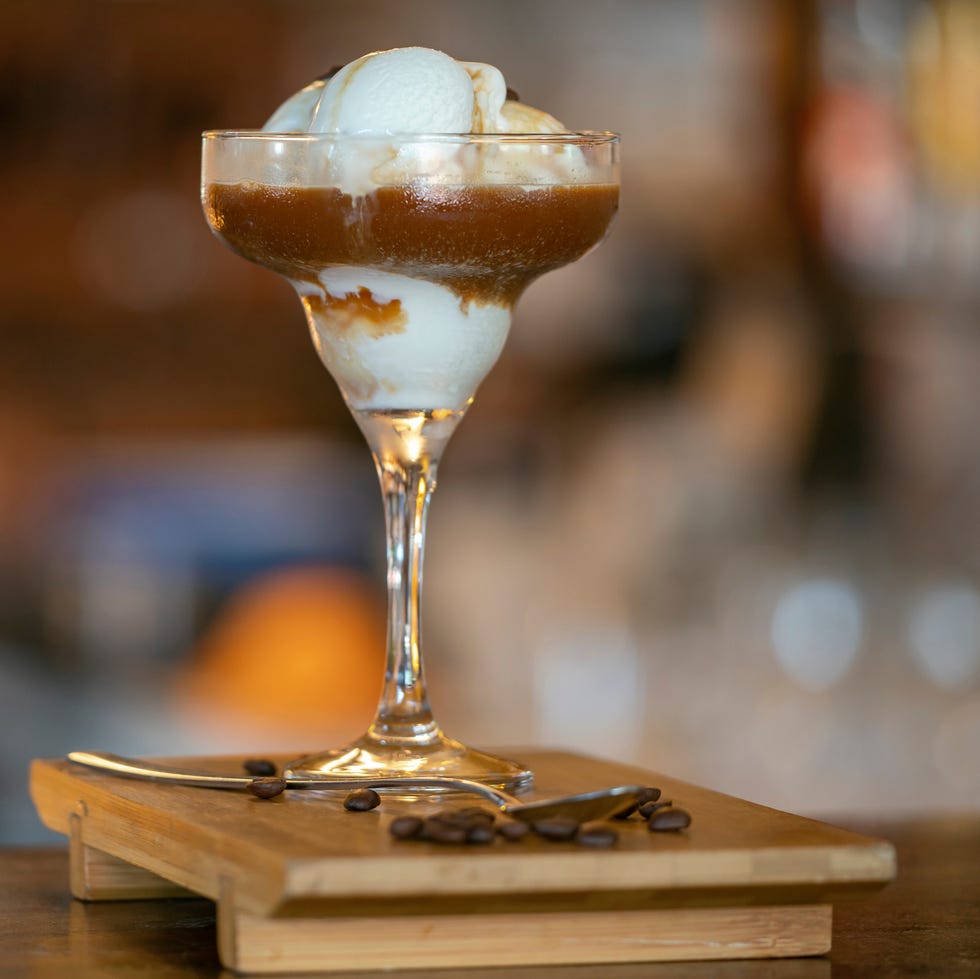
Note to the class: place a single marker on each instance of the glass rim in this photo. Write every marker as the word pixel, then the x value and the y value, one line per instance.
pixel 582 137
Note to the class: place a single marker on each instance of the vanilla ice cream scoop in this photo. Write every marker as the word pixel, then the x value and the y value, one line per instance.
pixel 409 90
pixel 406 90
pixel 444 342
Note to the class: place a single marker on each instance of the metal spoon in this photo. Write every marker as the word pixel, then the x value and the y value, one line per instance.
pixel 582 807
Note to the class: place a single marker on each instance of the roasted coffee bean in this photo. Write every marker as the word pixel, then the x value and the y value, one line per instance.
pixel 260 767
pixel 557 828
pixel 361 800
pixel 480 832
pixel 476 814
pixel 649 808
pixel 267 788
pixel 648 794
pixel 452 817
pixel 406 827
pixel 596 834
pixel 451 814
pixel 443 831
pixel 463 817
pixel 669 819
pixel 513 829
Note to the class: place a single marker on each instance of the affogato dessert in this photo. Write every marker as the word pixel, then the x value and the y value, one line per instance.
pixel 409 254
pixel 410 201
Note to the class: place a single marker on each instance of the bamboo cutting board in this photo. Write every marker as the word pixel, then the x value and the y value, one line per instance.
pixel 303 885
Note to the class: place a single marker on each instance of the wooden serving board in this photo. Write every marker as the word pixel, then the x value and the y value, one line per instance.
pixel 303 885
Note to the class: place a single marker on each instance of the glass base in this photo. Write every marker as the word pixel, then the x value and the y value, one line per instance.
pixel 370 758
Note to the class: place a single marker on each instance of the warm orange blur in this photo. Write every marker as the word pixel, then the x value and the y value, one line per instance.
pixel 296 654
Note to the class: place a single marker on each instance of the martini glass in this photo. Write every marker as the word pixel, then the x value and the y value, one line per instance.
pixel 408 254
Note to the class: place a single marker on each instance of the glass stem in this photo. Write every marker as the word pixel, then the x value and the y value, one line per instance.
pixel 404 738
pixel 404 716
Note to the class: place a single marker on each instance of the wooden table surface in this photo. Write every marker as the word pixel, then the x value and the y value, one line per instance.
pixel 927 923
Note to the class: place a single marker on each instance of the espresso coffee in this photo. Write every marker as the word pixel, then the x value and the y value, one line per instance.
pixel 485 242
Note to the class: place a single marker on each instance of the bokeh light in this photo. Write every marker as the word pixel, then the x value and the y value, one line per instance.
pixel 816 632
pixel 944 630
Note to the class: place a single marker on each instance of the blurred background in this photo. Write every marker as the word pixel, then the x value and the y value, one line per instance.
pixel 716 510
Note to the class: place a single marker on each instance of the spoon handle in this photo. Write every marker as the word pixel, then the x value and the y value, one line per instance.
pixel 157 772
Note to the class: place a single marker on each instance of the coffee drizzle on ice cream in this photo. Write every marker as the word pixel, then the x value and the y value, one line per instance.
pixel 355 309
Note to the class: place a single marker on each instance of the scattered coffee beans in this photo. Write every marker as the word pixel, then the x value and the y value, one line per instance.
pixel 597 834
pixel 260 767
pixel 267 788
pixel 361 800
pixel 558 828
pixel 406 827
pixel 478 826
pixel 669 819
